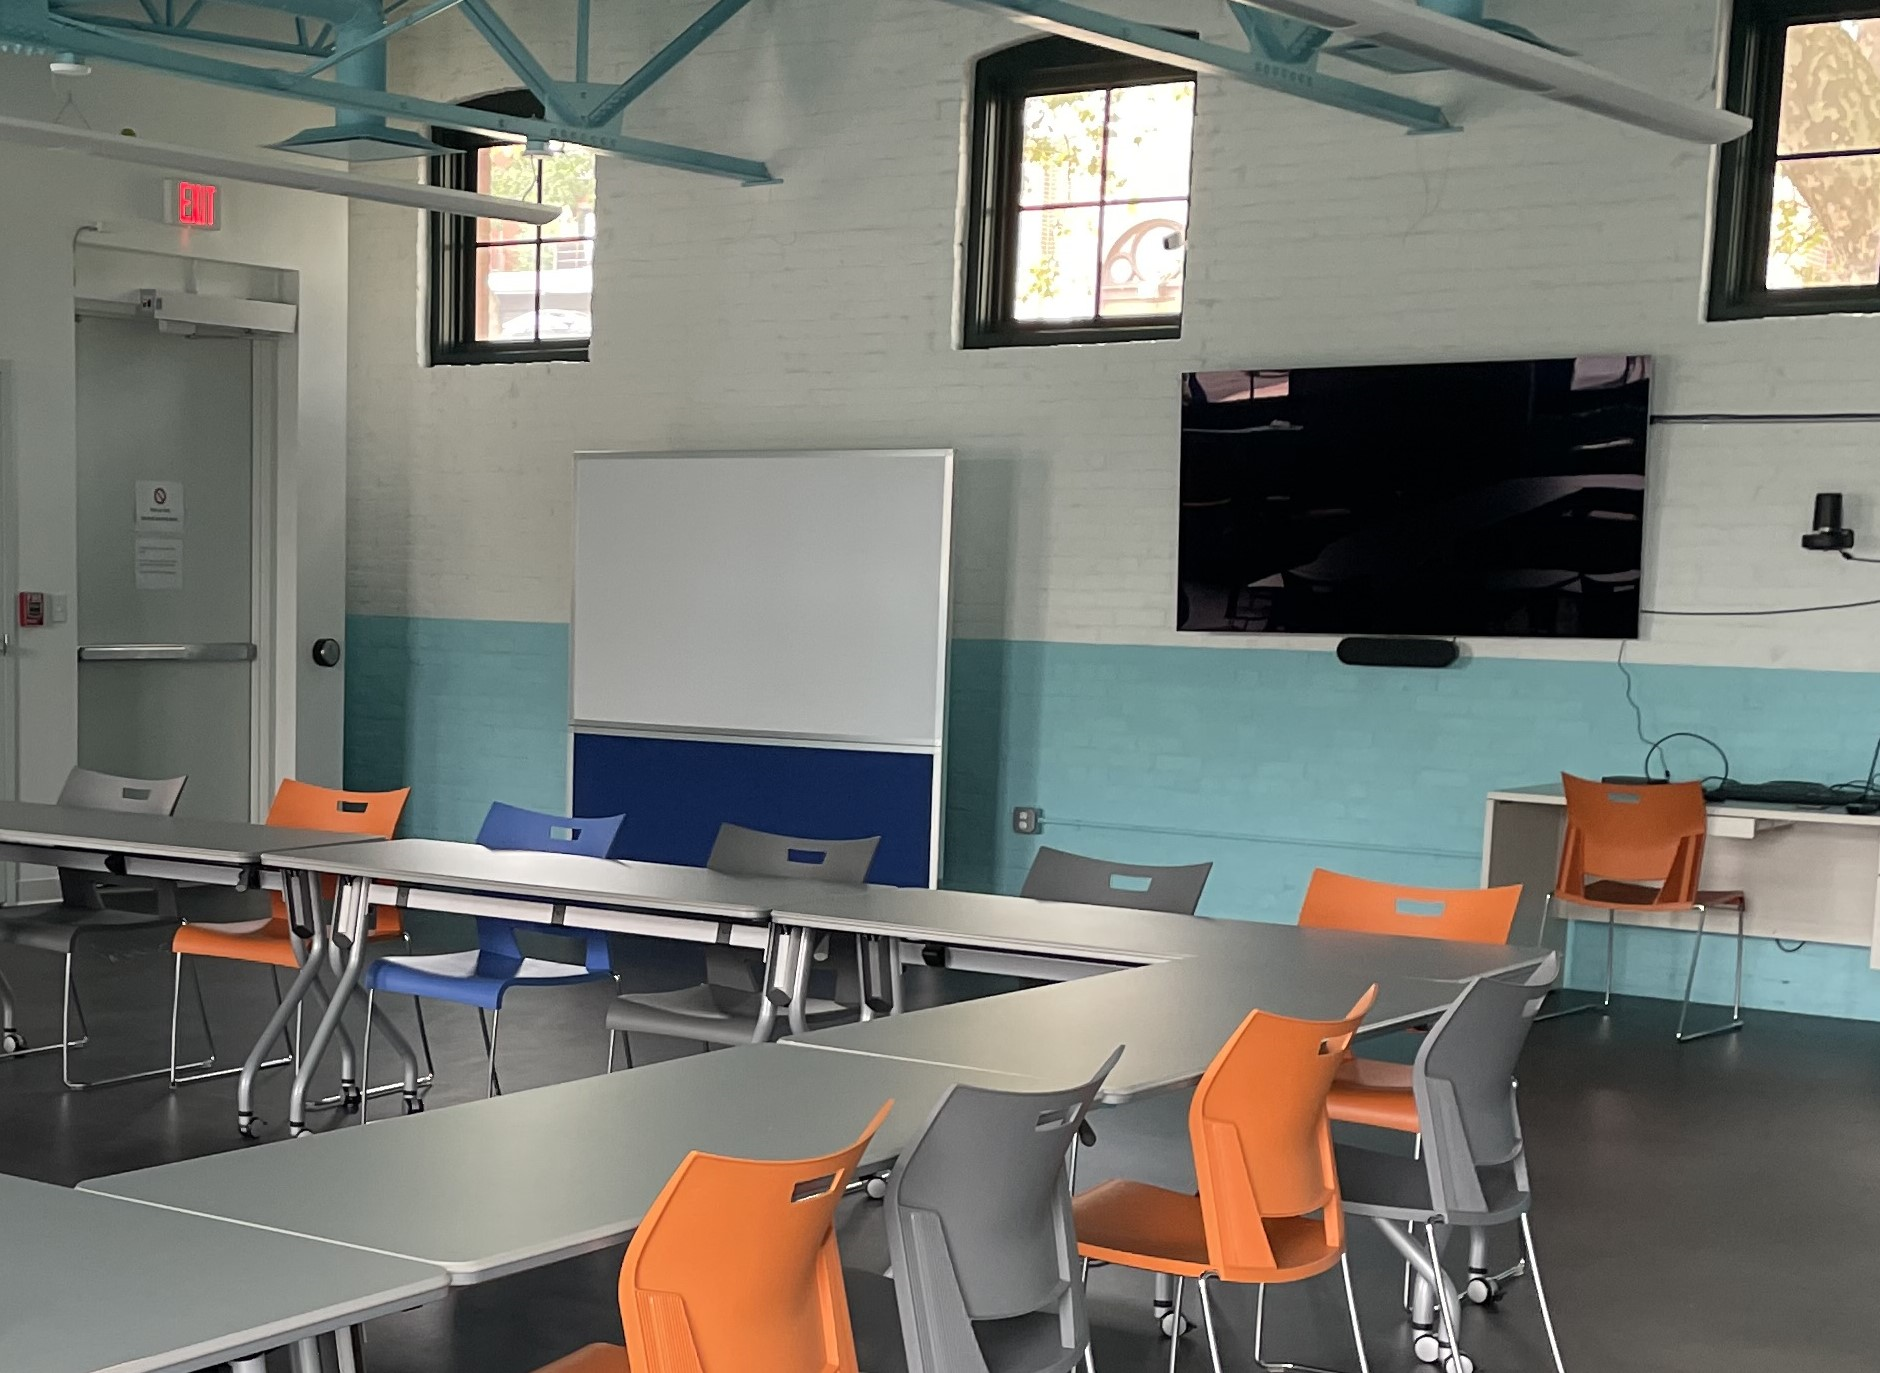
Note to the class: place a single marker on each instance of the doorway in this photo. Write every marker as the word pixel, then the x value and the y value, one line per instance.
pixel 9 620
pixel 170 616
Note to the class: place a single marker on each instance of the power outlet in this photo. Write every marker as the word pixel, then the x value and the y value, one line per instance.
pixel 1027 819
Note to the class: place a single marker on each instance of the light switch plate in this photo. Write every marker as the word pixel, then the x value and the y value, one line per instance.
pixel 57 607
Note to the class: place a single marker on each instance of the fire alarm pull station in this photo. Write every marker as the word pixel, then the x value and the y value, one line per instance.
pixel 32 609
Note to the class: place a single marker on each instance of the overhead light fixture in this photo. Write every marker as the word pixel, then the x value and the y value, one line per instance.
pixel 70 64
pixel 292 175
pixel 540 147
pixel 1509 61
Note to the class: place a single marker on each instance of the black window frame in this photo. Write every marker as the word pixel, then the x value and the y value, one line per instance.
pixel 453 257
pixel 1747 168
pixel 1002 82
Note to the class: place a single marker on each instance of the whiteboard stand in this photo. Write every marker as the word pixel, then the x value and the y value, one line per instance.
pixel 796 603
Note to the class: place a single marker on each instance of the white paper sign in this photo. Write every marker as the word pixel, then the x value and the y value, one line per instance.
pixel 160 506
pixel 159 563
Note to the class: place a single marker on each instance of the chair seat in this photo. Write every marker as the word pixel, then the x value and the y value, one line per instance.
pixel 596 1358
pixel 54 927
pixel 1368 1091
pixel 1604 895
pixel 1143 1226
pixel 264 941
pixel 472 977
pixel 708 1013
pixel 1397 1187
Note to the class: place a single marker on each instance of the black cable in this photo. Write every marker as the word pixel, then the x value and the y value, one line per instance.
pixel 1638 713
pixel 1786 947
pixel 1657 746
pixel 1785 610
pixel 1856 558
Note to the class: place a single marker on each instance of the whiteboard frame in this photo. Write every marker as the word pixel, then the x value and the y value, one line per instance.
pixel 934 747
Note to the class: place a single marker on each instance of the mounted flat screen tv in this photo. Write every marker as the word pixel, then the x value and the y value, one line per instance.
pixel 1476 498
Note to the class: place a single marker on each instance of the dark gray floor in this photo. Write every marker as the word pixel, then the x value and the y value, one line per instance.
pixel 1702 1208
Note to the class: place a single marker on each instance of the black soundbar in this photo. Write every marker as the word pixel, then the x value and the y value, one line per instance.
pixel 1368 652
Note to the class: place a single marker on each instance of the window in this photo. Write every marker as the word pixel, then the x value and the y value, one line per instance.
pixel 502 291
pixel 1078 205
pixel 1798 209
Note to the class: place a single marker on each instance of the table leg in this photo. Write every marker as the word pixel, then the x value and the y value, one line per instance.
pixel 880 957
pixel 799 983
pixel 302 894
pixel 349 922
pixel 781 947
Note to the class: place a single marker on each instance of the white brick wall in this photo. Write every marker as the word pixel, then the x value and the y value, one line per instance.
pixel 822 312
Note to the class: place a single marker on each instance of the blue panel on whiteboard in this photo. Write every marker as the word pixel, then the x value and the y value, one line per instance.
pixel 676 792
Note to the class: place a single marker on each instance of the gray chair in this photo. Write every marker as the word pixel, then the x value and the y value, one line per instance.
pixel 980 1238
pixel 81 913
pixel 1473 1170
pixel 1056 875
pixel 725 1006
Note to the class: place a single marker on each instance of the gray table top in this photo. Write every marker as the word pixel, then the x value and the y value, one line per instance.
pixel 983 920
pixel 89 1284
pixel 497 1186
pixel 567 879
pixel 149 836
pixel 1171 1018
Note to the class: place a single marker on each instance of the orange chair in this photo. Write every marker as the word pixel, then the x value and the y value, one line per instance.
pixel 1641 849
pixel 1267 1208
pixel 270 942
pixel 1381 1094
pixel 1474 915
pixel 735 1269
pixel 1366 1091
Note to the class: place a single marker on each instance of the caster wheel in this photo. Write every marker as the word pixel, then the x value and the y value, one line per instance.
pixel 350 1098
pixel 12 1042
pixel 1458 1363
pixel 876 1188
pixel 1482 1290
pixel 245 1125
pixel 1174 1325
pixel 414 1105
pixel 247 1131
pixel 1426 1347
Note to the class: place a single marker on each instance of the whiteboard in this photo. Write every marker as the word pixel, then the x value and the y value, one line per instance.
pixel 802 595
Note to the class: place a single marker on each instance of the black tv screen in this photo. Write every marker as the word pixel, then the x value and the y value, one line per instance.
pixel 1475 498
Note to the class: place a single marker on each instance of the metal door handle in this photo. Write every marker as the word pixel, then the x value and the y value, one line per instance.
pixel 167 653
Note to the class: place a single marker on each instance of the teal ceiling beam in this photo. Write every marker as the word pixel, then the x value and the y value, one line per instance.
pixel 663 61
pixel 516 56
pixel 379 35
pixel 1160 45
pixel 24 21
pixel 1280 38
pixel 329 11
pixel 183 31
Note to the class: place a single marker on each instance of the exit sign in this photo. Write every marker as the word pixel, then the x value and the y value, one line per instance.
pixel 192 204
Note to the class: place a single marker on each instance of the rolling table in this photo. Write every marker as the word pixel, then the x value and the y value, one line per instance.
pixel 1057 940
pixel 93 1285
pixel 162 848
pixel 553 889
pixel 515 1182
pixel 1172 1018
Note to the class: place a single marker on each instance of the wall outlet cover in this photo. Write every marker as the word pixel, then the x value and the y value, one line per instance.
pixel 1027 819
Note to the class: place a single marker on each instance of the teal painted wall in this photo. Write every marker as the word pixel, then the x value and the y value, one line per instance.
pixel 464 712
pixel 1267 762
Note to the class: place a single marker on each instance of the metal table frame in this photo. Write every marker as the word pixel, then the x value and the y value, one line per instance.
pixel 339 939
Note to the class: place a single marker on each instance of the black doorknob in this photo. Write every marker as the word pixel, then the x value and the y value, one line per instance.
pixel 326 652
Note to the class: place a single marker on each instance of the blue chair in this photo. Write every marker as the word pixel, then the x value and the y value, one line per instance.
pixel 483 976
